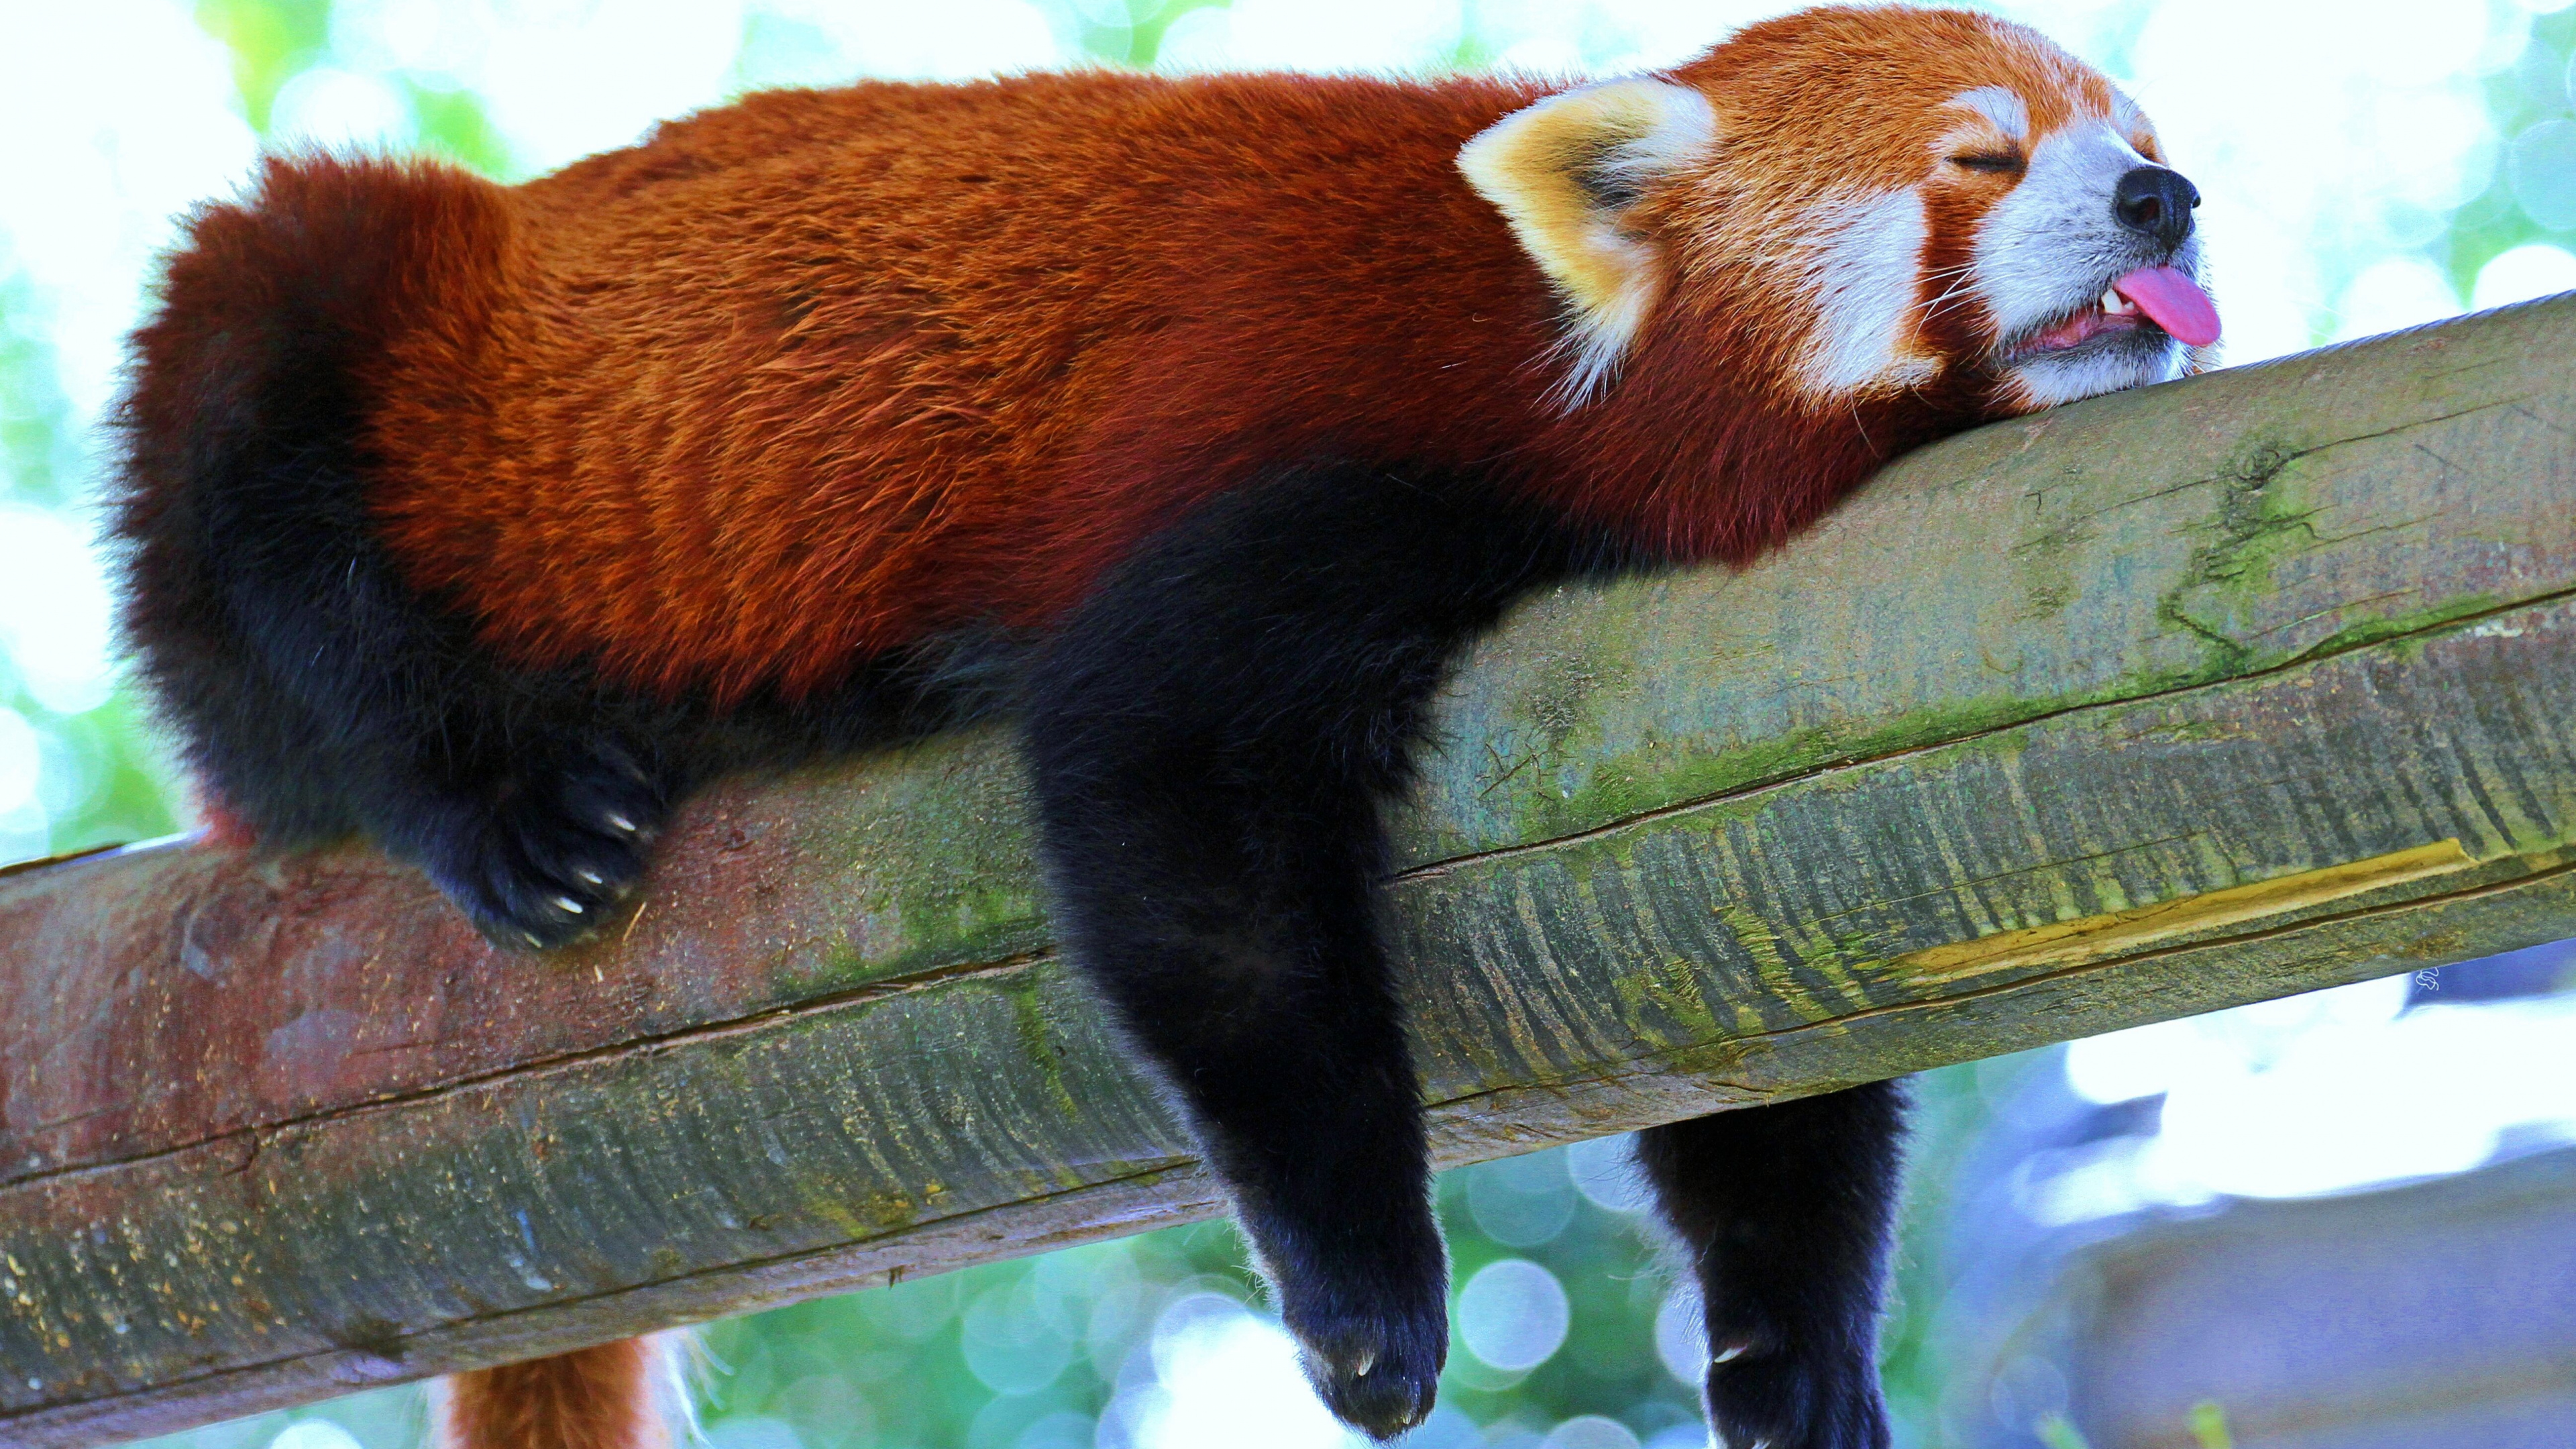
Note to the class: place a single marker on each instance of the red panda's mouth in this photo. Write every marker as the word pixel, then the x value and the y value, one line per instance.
pixel 2159 299
pixel 2111 313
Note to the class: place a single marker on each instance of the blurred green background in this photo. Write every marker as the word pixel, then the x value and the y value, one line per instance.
pixel 2368 166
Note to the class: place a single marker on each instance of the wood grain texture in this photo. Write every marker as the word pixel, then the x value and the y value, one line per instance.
pixel 2157 704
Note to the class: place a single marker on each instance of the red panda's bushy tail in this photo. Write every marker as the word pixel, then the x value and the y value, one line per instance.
pixel 615 1396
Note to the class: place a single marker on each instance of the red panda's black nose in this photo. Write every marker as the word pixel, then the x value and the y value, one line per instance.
pixel 2153 201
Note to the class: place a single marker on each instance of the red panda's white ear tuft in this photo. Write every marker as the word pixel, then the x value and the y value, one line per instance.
pixel 1563 173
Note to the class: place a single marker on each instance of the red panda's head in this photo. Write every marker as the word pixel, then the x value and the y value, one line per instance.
pixel 1865 203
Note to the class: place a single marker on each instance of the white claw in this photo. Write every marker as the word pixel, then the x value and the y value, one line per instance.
pixel 1368 1360
pixel 620 822
pixel 569 904
pixel 591 877
pixel 532 938
pixel 1728 1354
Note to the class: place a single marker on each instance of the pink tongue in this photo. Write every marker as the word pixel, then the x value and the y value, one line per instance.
pixel 2173 301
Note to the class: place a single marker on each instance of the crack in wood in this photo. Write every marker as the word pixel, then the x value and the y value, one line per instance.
pixel 639 1046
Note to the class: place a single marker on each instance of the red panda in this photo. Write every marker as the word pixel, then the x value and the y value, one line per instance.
pixel 1193 423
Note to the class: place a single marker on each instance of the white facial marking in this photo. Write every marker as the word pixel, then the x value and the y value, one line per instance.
pixel 2048 381
pixel 1862 272
pixel 2055 232
pixel 2006 109
pixel 2049 249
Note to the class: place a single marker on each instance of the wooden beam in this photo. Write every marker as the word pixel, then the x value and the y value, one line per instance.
pixel 2162 703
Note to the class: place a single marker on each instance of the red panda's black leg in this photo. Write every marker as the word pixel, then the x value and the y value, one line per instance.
pixel 1211 737
pixel 321 695
pixel 525 798
pixel 1787 1213
pixel 521 799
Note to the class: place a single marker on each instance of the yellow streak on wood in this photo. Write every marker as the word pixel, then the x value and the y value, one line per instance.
pixel 2120 932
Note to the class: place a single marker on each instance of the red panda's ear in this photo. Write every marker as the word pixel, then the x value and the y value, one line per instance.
pixel 1563 173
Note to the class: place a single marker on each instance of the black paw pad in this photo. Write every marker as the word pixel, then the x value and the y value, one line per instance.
pixel 545 861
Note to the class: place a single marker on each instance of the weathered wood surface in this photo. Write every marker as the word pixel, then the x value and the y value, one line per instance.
pixel 2162 703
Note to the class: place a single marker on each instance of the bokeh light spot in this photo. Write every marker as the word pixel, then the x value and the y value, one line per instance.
pixel 2398 293
pixel 1011 1344
pixel 754 1432
pixel 1063 1429
pixel 1522 1202
pixel 20 760
pixel 2543 173
pixel 315 1434
pixel 1225 1376
pixel 1605 1171
pixel 55 610
pixel 1590 1431
pixel 340 110
pixel 2535 269
pixel 1513 1314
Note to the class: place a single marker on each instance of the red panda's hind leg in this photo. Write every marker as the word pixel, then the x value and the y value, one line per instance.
pixel 1787 1216
pixel 319 693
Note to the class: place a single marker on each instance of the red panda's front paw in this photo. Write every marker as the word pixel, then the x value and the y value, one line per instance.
pixel 1766 1394
pixel 552 855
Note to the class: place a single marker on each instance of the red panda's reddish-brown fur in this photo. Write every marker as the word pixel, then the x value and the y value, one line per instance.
pixel 592 1398
pixel 823 373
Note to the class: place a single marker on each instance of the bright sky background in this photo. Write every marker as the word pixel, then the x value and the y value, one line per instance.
pixel 2331 138
pixel 2321 1093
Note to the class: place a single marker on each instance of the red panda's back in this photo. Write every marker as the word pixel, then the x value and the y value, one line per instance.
pixel 822 373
